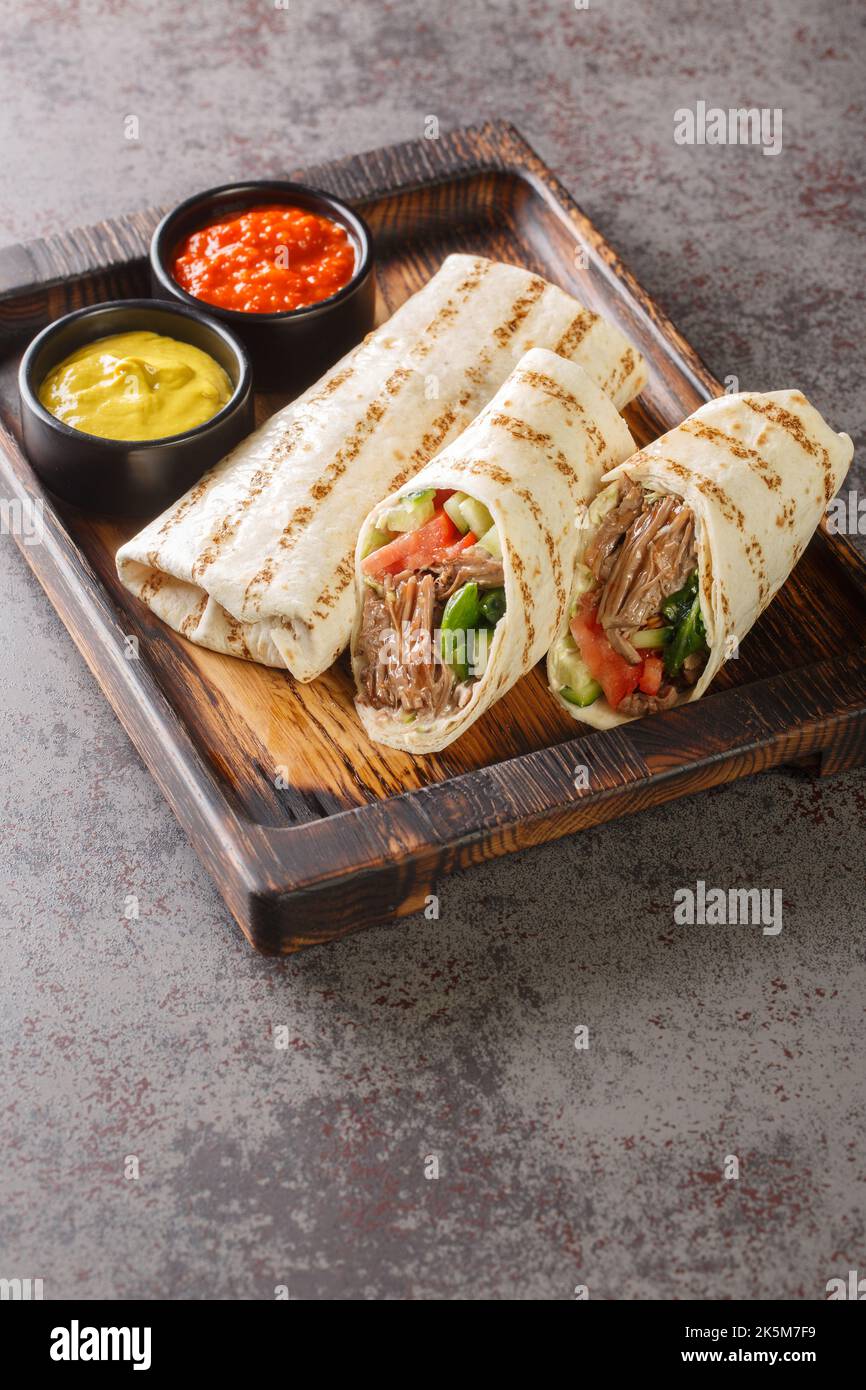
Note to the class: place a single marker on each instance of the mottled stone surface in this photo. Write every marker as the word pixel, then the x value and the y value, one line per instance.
pixel 305 1167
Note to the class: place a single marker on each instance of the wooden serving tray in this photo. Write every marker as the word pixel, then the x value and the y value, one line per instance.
pixel 310 830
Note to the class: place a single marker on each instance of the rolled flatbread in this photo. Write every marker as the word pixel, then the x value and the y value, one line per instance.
pixel 257 559
pixel 527 465
pixel 685 547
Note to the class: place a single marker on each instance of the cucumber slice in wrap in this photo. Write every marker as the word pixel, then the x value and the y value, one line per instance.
pixel 410 511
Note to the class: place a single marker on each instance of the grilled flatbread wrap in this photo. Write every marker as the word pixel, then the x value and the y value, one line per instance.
pixel 495 583
pixel 685 547
pixel 256 560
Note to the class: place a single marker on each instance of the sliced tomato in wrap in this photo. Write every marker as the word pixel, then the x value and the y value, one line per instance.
pixel 613 673
pixel 413 549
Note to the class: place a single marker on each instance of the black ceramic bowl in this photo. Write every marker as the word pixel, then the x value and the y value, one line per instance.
pixel 132 478
pixel 291 348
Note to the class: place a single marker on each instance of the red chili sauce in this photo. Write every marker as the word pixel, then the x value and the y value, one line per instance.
pixel 266 260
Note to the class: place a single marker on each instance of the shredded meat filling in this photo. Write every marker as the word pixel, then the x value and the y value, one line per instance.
pixel 599 553
pixel 400 665
pixel 643 551
pixel 472 565
pixel 655 559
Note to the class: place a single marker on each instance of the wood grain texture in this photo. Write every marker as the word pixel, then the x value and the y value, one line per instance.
pixel 310 830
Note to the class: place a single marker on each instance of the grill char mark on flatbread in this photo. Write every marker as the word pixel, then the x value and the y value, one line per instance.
pixel 282 449
pixel 728 507
pixel 445 316
pixel 550 547
pixel 305 513
pixel 621 372
pixel 729 443
pixel 151 586
pixel 236 639
pixel 321 490
pixel 432 441
pixel 520 312
pixel 194 495
pixel 545 383
pixel 193 618
pixel 344 574
pixel 486 468
pixel 577 330
pixel 373 416
pixel 519 429
pixel 519 572
pixel 705 485
pixel 793 426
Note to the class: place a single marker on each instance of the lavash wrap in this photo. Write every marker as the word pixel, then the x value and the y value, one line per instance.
pixel 758 472
pixel 256 560
pixel 534 457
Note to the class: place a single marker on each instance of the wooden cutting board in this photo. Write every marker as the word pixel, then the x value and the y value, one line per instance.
pixel 309 829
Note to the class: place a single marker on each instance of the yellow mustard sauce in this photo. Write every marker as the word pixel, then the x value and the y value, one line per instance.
pixel 136 386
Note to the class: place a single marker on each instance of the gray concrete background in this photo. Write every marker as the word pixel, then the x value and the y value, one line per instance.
pixel 305 1167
